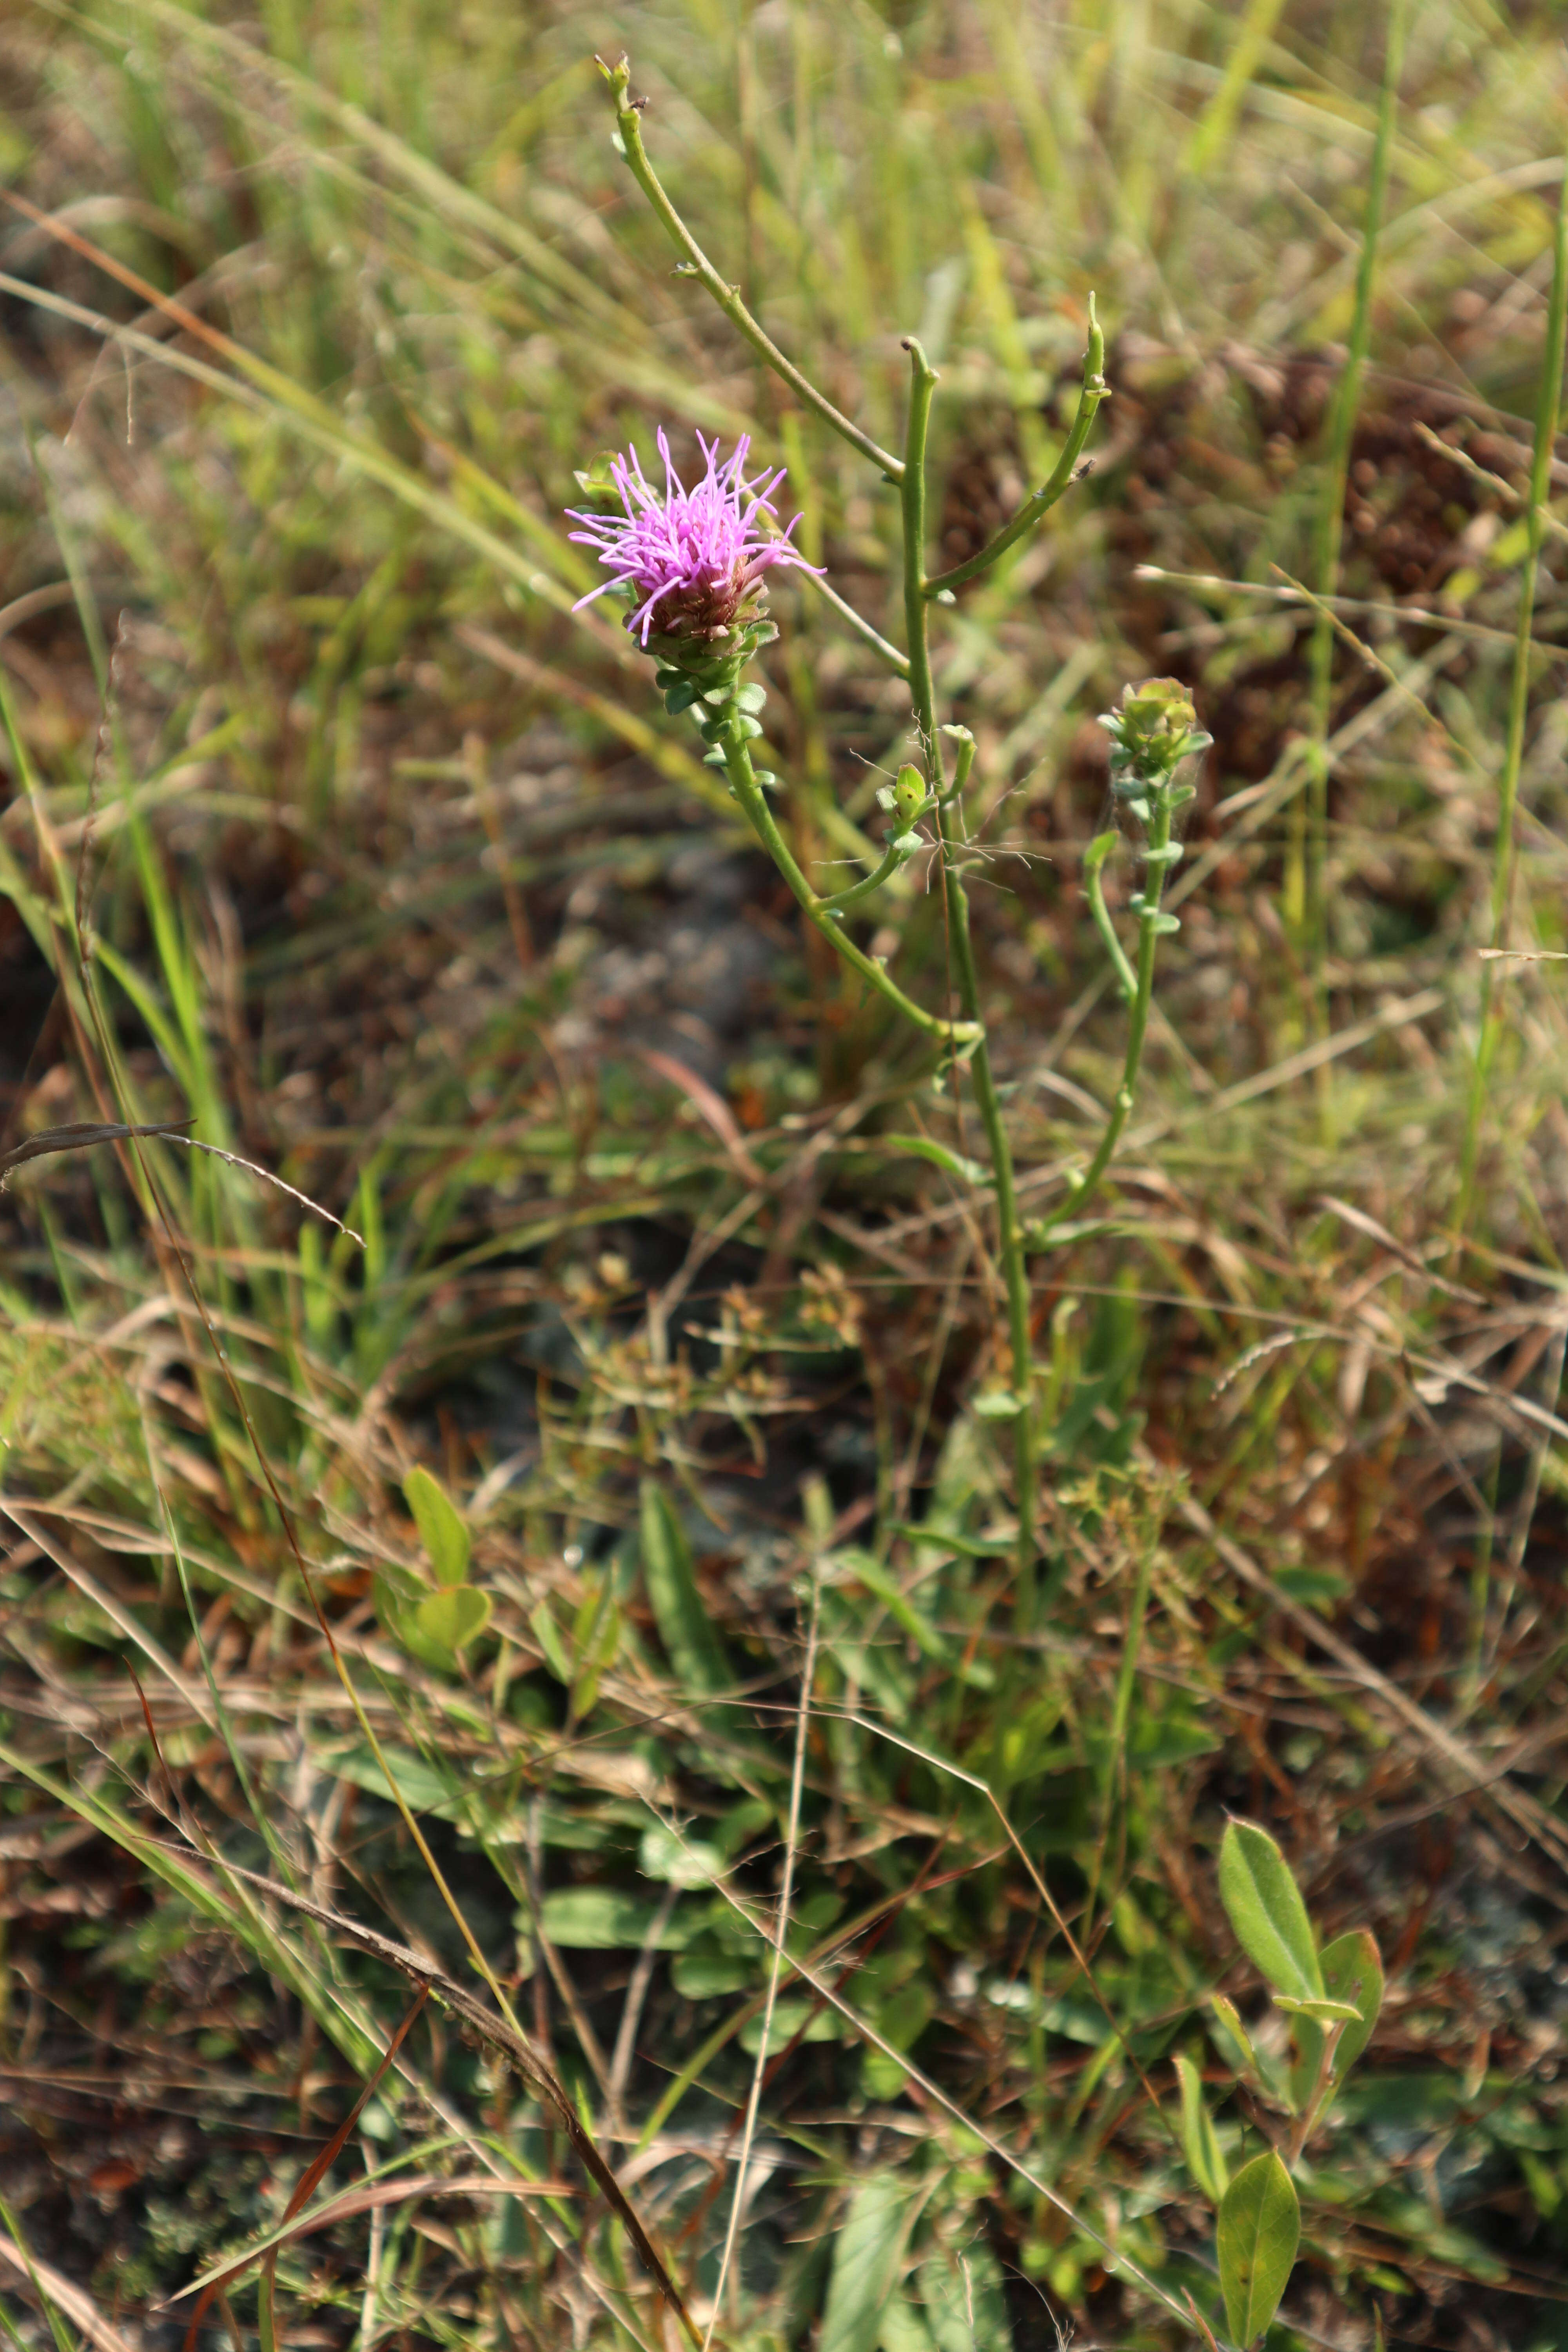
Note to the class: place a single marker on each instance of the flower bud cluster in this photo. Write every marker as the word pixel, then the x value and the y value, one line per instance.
pixel 1153 731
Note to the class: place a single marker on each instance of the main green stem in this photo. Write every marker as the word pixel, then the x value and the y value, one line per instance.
pixel 1010 1237
pixel 1083 1187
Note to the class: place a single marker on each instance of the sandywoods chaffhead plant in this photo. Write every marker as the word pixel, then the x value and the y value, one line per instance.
pixel 693 567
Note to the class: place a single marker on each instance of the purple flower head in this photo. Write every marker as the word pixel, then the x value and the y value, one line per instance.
pixel 694 561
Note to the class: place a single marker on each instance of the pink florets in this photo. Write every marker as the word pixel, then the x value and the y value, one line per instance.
pixel 693 559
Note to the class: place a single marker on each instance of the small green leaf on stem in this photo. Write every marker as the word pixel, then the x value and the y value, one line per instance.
pixel 926 1147
pixel 1265 1908
pixel 1352 1977
pixel 685 1628
pixel 1352 1971
pixel 1200 2142
pixel 451 1619
pixel 441 1528
pixel 1259 2230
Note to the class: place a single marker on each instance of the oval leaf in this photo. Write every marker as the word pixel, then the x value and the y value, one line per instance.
pixel 965 2300
pixel 450 1620
pixel 1353 1975
pixel 1259 2230
pixel 691 1645
pixel 1266 1910
pixel 600 1919
pixel 865 2263
pixel 440 1524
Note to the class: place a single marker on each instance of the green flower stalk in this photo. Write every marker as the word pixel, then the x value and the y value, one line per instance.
pixel 1153 731
pixel 693 568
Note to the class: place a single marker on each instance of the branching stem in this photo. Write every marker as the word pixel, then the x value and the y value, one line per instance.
pixel 755 803
pixel 1095 390
pixel 1150 923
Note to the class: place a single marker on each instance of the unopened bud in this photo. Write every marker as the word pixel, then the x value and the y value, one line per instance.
pixel 909 794
pixel 1154 727
pixel 1159 711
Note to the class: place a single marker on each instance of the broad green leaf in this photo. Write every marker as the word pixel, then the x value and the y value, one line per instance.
pixel 1266 1912
pixel 1200 2142
pixel 598 1920
pixel 866 2262
pixel 425 1788
pixel 1259 2230
pixel 548 1635
pixel 903 2328
pixel 440 1524
pixel 451 1619
pixel 1352 1971
pixel 693 1646
pixel 679 1861
pixel 791 2019
pixel 965 2301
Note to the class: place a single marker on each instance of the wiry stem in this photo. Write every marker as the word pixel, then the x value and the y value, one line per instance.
pixel 1150 926
pixel 628 118
pixel 1095 390
pixel 1099 849
pixel 753 801
pixel 1010 1239
pixel 890 862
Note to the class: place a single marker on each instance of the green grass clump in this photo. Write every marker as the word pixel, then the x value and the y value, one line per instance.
pixel 680 1784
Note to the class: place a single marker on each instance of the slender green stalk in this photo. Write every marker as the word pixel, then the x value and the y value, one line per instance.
pixel 1010 1237
pixel 1304 903
pixel 755 803
pixel 1099 849
pixel 1095 390
pixel 1150 926
pixel 1506 855
pixel 857 622
pixel 890 864
pixel 628 119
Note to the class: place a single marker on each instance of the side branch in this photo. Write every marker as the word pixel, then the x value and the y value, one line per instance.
pixel 1095 390
pixel 963 1035
pixel 629 113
